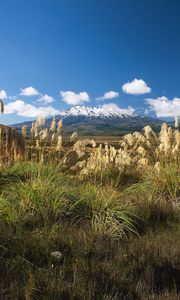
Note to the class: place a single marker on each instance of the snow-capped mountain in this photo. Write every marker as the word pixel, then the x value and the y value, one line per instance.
pixel 108 119
pixel 104 111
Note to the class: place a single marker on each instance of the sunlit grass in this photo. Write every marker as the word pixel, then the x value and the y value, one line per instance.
pixel 113 214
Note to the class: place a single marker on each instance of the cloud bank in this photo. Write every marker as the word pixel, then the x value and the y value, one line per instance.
pixel 113 108
pixel 136 87
pixel 72 98
pixel 163 107
pixel 23 109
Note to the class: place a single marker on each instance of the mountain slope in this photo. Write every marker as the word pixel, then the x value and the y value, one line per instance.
pixel 102 120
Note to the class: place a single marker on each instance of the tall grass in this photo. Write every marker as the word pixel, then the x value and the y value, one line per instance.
pixel 43 196
pixel 156 196
pixel 12 146
pixel 113 214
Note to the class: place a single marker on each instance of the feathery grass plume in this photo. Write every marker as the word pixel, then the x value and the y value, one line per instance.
pixel 36 129
pixel 122 158
pixel 176 125
pixel 80 146
pixel 131 142
pixel 98 161
pixel 33 128
pixel 73 136
pixel 43 134
pixel 24 131
pixel 177 137
pixel 166 139
pixel 40 121
pixel 151 138
pixel 112 153
pixel 176 146
pixel 141 151
pixel 129 139
pixel 59 143
pixel 1 106
pixel 140 139
pixel 53 125
pixel 103 158
pixel 176 142
pixel 60 126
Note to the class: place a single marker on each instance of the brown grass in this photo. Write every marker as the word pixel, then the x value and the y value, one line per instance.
pixel 12 146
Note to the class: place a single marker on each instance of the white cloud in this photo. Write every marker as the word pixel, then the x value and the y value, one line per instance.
pixel 21 108
pixel 29 91
pixel 74 99
pixel 113 108
pixel 3 94
pixel 46 99
pixel 108 95
pixel 136 87
pixel 163 107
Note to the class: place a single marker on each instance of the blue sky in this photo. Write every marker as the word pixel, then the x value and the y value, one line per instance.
pixel 67 52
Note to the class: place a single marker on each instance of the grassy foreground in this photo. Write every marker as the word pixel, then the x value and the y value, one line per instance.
pixel 62 239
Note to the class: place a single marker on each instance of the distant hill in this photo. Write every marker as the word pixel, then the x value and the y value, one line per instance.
pixel 100 121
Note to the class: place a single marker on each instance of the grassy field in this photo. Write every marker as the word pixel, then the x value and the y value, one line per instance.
pixel 88 221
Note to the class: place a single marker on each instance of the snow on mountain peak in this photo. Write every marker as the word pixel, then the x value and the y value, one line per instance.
pixel 106 110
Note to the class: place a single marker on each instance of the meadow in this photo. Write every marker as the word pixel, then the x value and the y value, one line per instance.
pixel 85 219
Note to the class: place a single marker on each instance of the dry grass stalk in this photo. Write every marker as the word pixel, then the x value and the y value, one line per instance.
pixel 60 126
pixel 59 143
pixel 33 128
pixel 176 122
pixel 12 145
pixel 43 134
pixel 24 131
pixel 73 136
pixel 53 125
